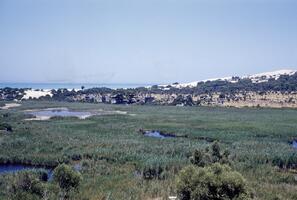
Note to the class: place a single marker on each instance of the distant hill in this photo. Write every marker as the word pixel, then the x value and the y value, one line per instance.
pixel 256 78
pixel 281 80
pixel 270 89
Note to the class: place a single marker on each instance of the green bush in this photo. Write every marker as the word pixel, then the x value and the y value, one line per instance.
pixel 200 158
pixel 205 157
pixel 27 185
pixel 6 127
pixel 66 177
pixel 153 172
pixel 215 182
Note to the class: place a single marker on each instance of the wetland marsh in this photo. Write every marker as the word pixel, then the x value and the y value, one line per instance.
pixel 111 151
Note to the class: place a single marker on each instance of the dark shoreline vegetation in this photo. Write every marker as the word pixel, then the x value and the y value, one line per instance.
pixel 215 92
pixel 117 162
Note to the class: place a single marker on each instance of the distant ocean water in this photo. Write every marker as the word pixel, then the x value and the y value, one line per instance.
pixel 69 85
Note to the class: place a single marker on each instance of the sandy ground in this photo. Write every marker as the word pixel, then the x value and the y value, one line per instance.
pixel 36 94
pixel 10 105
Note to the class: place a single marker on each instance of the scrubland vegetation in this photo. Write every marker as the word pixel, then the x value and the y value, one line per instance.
pixel 253 150
pixel 239 92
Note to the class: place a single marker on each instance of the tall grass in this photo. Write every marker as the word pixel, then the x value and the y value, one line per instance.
pixel 114 153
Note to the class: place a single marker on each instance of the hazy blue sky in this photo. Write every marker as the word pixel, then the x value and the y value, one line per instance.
pixel 144 41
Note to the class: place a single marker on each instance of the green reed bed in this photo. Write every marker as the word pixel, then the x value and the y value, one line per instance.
pixel 114 154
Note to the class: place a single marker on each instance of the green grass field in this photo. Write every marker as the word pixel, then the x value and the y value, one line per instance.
pixel 113 152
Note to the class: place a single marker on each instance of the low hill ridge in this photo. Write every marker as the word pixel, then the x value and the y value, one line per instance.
pixel 256 78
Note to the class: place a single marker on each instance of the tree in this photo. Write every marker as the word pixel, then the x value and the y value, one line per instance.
pixel 67 178
pixel 215 182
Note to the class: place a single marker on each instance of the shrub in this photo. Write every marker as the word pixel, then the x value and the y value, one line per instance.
pixel 66 177
pixel 153 172
pixel 215 182
pixel 205 157
pixel 28 186
pixel 216 151
pixel 200 158
pixel 6 127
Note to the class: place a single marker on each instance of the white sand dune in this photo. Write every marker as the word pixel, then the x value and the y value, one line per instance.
pixel 256 78
pixel 36 94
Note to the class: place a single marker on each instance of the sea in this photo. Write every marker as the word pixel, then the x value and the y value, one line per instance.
pixel 71 85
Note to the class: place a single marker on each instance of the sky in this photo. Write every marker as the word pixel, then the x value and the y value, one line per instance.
pixel 144 41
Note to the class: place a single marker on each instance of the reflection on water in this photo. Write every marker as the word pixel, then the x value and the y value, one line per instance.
pixel 62 112
pixel 12 168
pixel 157 134
pixel 294 144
